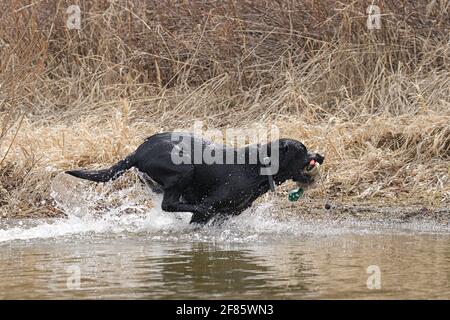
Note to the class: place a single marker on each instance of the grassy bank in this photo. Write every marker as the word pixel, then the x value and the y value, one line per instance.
pixel 375 102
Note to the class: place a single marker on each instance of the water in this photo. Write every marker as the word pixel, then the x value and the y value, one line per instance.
pixel 113 245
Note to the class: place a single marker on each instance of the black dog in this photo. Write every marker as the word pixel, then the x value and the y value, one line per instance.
pixel 207 189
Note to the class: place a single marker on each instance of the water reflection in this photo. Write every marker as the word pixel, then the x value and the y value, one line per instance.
pixel 214 271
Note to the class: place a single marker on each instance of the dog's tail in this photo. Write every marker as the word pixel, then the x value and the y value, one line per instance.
pixel 106 174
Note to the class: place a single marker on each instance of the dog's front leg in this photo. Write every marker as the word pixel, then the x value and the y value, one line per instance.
pixel 171 203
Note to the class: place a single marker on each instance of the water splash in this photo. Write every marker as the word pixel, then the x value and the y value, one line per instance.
pixel 126 207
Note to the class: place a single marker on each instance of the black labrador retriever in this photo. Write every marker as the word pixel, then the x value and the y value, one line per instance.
pixel 224 184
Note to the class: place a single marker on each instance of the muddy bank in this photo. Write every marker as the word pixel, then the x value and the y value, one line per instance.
pixel 377 212
pixel 315 210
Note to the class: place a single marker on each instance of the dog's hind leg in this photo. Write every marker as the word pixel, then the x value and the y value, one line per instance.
pixel 149 182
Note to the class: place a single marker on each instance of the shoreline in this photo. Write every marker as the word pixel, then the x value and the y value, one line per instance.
pixel 315 210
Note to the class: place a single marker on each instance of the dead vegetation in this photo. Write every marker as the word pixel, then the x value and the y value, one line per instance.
pixel 376 102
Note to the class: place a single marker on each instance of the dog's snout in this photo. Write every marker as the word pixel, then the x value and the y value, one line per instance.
pixel 317 157
pixel 320 158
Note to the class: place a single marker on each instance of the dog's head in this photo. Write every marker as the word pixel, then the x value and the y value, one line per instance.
pixel 294 159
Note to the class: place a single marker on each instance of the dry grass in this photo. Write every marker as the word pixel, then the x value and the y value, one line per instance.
pixel 376 102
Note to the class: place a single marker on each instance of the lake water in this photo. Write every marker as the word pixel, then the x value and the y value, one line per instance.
pixel 253 256
pixel 131 252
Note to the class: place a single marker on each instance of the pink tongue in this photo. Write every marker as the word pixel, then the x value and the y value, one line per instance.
pixel 312 163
